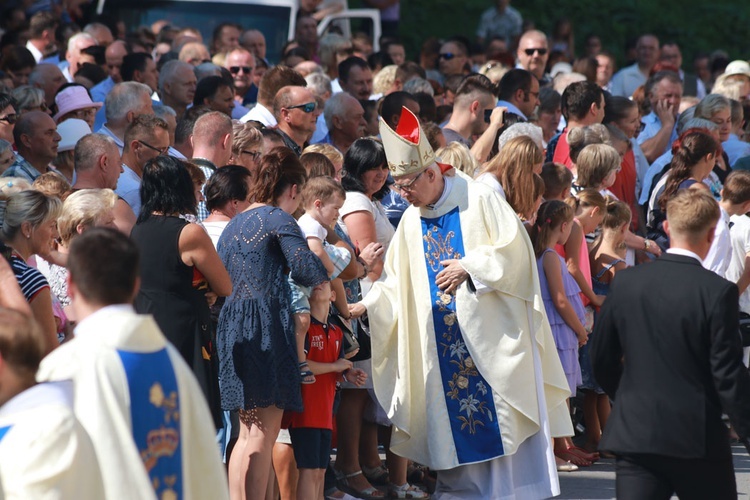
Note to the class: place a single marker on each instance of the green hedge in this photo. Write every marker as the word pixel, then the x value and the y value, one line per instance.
pixel 695 25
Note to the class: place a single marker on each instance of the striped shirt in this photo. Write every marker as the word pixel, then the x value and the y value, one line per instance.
pixel 30 280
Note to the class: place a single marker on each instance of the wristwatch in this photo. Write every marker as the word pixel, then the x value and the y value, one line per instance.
pixel 367 271
pixel 646 244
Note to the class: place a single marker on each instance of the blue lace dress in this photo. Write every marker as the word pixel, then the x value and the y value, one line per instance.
pixel 256 342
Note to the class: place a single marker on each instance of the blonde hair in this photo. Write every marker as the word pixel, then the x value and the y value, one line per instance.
pixel 587 198
pixel 731 89
pixel 244 136
pixel 52 184
pixel 30 206
pixel 516 162
pixel 383 81
pixel 322 188
pixel 595 163
pixel 326 150
pixel 83 208
pixel 691 212
pixel 616 214
pixel 459 156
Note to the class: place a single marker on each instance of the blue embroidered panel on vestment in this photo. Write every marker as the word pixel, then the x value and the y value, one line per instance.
pixel 468 396
pixel 155 411
pixel 4 431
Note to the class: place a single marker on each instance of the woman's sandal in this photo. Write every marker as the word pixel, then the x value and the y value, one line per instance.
pixel 406 491
pixel 573 458
pixel 370 493
pixel 304 371
pixel 376 475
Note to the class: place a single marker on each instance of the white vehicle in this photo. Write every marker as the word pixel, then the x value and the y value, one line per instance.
pixel 274 18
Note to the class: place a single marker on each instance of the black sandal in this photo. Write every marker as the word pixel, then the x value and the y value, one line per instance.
pixel 304 371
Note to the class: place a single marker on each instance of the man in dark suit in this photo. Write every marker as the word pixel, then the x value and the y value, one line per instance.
pixel 666 347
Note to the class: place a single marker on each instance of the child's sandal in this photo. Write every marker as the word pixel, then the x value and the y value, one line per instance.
pixel 304 371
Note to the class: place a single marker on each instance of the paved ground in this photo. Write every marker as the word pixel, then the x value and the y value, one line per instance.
pixel 598 481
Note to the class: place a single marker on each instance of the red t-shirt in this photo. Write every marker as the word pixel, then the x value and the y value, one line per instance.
pixel 624 186
pixel 324 344
pixel 562 150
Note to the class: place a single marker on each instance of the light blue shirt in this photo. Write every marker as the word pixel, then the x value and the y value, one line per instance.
pixel 652 126
pixel 735 148
pixel 652 171
pixel 129 188
pixel 104 130
pixel 321 130
pixel 627 80
pixel 512 108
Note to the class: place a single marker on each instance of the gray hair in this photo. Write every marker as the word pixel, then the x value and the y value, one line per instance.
pixel 685 117
pixel 27 97
pixel 169 71
pixel 38 75
pixel 123 98
pixel 418 85
pixel 73 41
pixel 701 123
pixel 328 45
pixel 319 84
pixel 712 104
pixel 162 111
pixel 206 69
pixel 337 105
pixel 580 137
pixel 89 149
pixel 521 129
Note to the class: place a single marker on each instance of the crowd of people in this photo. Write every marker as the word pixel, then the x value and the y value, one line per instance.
pixel 343 251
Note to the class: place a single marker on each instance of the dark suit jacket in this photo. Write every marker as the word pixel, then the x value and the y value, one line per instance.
pixel 666 347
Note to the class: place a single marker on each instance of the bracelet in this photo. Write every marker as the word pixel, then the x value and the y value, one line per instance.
pixel 646 244
pixel 343 375
pixel 364 266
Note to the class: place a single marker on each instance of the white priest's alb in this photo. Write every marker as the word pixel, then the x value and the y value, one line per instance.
pixel 141 405
pixel 45 453
pixel 471 381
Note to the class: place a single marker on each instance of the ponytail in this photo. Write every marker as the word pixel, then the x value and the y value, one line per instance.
pixel 551 215
pixel 687 151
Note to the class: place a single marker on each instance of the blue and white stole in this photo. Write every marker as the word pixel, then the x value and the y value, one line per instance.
pixel 155 413
pixel 468 396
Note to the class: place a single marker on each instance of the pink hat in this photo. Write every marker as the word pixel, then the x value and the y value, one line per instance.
pixel 73 98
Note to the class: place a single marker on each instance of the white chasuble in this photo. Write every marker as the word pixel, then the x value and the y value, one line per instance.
pixel 456 373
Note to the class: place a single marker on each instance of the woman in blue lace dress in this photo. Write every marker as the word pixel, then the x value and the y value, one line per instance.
pixel 258 372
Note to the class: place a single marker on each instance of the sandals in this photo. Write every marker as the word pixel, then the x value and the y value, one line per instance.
pixel 573 458
pixel 370 493
pixel 304 371
pixel 376 475
pixel 406 491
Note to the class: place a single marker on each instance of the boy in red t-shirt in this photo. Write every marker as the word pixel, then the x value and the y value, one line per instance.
pixel 311 429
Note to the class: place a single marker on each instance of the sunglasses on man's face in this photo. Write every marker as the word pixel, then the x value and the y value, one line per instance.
pixel 10 118
pixel 236 69
pixel 308 107
pixel 447 56
pixel 530 52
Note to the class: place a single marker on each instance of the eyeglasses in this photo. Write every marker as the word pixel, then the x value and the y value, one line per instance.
pixel 161 151
pixel 10 118
pixel 408 186
pixel 308 107
pixel 530 52
pixel 253 154
pixel 236 69
pixel 447 56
